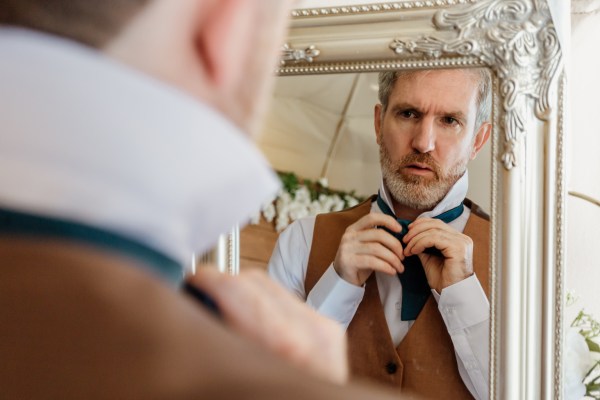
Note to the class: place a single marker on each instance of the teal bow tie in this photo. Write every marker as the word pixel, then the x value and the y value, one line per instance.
pixel 415 289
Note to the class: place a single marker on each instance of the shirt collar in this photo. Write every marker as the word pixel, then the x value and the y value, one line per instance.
pixel 86 138
pixel 453 198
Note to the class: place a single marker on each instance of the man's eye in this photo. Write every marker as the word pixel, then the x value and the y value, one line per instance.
pixel 407 114
pixel 449 120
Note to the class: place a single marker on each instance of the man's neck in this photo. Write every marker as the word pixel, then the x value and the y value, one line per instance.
pixel 405 212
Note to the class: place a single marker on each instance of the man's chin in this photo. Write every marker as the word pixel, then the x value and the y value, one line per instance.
pixel 419 193
pixel 419 180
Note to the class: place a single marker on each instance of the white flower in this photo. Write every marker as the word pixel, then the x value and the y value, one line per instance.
pixel 288 207
pixel 284 197
pixel 298 211
pixel 326 202
pixel 577 363
pixel 351 201
pixel 302 196
pixel 283 202
pixel 323 182
pixel 315 208
pixel 268 211
pixel 281 222
pixel 338 203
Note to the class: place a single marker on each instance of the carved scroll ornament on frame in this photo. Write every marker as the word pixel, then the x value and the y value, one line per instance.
pixel 517 39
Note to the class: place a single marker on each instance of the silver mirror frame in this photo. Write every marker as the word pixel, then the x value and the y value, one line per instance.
pixel 517 40
pixel 224 255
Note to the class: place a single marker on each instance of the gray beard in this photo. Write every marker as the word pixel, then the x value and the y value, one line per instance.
pixel 418 192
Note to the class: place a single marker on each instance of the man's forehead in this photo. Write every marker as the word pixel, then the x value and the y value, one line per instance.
pixel 455 90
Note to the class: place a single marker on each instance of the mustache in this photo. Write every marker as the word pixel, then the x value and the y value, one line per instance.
pixel 420 158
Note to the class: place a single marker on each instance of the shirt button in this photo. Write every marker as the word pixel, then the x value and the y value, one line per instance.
pixel 391 367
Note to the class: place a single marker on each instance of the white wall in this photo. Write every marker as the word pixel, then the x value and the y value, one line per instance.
pixel 583 218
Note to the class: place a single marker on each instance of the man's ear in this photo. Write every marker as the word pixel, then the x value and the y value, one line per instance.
pixel 220 41
pixel 482 136
pixel 377 122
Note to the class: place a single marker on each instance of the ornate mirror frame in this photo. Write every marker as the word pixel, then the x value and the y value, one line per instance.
pixel 517 40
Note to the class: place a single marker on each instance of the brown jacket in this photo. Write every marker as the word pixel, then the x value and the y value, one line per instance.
pixel 78 322
pixel 424 362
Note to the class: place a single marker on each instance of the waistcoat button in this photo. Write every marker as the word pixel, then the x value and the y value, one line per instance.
pixel 391 367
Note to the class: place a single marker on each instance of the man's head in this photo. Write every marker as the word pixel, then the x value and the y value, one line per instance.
pixel 222 52
pixel 429 125
pixel 82 20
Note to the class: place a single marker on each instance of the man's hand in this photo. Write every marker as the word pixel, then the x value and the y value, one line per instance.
pixel 364 249
pixel 255 306
pixel 456 260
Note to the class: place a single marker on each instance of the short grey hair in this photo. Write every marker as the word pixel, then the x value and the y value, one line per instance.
pixel 387 81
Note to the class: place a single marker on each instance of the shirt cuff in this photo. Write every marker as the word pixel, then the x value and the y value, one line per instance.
pixel 335 298
pixel 463 304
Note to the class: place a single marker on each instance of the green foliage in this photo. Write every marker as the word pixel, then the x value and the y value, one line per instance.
pixel 592 382
pixel 593 346
pixel 589 328
pixel 291 183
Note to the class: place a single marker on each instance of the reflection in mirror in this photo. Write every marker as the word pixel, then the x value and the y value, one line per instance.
pixel 324 126
pixel 321 126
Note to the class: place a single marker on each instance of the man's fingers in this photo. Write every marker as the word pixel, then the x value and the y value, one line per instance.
pixel 373 263
pixel 380 252
pixel 384 238
pixel 424 224
pixel 363 245
pixel 258 308
pixel 423 241
pixel 372 220
pixel 210 281
pixel 452 245
pixel 229 292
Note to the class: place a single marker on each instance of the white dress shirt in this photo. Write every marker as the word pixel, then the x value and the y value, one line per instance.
pixel 88 139
pixel 463 306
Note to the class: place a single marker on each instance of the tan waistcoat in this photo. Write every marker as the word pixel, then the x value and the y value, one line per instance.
pixel 424 363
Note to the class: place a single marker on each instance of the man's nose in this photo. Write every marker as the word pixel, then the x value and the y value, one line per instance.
pixel 424 136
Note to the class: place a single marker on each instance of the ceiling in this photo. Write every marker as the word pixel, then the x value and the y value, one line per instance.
pixel 322 126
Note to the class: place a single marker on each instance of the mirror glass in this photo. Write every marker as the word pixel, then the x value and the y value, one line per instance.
pixel 321 126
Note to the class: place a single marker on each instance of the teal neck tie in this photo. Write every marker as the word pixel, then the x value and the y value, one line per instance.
pixel 18 223
pixel 415 289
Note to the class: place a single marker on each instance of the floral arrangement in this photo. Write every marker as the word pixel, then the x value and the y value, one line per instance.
pixel 300 198
pixel 582 356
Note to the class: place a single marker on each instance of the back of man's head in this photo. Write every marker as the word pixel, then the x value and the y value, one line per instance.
pixel 93 23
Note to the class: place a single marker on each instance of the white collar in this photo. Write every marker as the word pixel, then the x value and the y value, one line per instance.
pixel 88 139
pixel 453 198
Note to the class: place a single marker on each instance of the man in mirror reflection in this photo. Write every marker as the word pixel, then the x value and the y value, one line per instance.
pixel 406 272
pixel 120 124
